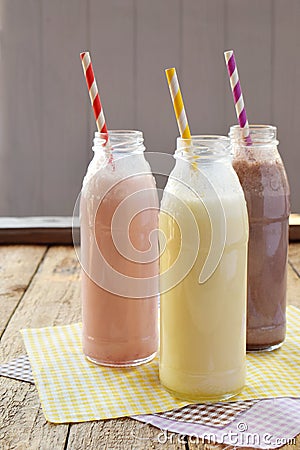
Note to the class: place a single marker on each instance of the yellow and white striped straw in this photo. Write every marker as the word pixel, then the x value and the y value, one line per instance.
pixel 179 109
pixel 178 105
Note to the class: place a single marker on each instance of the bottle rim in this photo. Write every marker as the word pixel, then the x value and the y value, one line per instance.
pixel 130 133
pixel 120 141
pixel 261 135
pixel 203 146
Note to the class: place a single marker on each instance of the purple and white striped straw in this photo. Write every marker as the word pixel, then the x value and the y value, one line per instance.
pixel 237 95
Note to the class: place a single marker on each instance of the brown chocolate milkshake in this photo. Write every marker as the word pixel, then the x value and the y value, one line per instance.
pixel 263 178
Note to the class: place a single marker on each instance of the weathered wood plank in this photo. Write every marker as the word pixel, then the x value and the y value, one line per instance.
pixel 64 131
pixel 21 109
pixel 39 230
pixel 112 36
pixel 248 30
pixel 53 298
pixel 22 423
pixel 59 269
pixel 203 69
pixel 293 288
pixel 158 44
pixel 18 265
pixel 131 45
pixel 18 223
pixel 122 434
pixel 294 229
pixel 57 236
pixel 62 230
pixel 285 92
pixel 294 257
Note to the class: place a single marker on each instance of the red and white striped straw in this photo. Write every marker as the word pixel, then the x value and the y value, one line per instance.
pixel 93 91
pixel 237 95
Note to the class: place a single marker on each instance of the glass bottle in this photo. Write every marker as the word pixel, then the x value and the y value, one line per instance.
pixel 264 181
pixel 203 238
pixel 119 253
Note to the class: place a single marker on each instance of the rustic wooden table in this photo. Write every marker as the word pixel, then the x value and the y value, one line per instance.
pixel 40 286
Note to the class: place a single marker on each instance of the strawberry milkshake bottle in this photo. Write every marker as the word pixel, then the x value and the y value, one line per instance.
pixel 119 253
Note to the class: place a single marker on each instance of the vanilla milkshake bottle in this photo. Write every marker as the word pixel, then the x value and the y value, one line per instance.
pixel 119 253
pixel 203 243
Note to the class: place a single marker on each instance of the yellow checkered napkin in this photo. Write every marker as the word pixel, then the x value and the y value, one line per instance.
pixel 72 389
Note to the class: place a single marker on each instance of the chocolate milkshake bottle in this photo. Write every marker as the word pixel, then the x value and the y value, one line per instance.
pixel 263 178
pixel 119 253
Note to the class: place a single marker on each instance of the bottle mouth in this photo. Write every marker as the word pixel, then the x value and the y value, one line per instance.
pixel 203 147
pixel 260 135
pixel 131 134
pixel 120 141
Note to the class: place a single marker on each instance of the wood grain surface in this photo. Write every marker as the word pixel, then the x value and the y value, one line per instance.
pixel 65 230
pixel 46 121
pixel 40 286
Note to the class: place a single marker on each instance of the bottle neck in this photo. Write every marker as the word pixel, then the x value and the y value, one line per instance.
pixel 262 144
pixel 119 142
pixel 260 136
pixel 203 149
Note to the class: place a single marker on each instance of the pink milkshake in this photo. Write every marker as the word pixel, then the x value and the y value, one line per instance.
pixel 119 254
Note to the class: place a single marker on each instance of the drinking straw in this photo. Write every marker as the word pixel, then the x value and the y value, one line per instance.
pixel 237 95
pixel 179 109
pixel 94 95
pixel 178 105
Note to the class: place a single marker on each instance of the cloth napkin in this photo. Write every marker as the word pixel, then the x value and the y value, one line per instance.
pixel 71 389
pixel 212 414
pixel 215 414
pixel 268 421
pixel 266 425
pixel 19 369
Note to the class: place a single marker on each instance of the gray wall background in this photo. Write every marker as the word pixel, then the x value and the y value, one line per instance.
pixel 46 122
